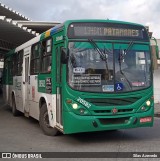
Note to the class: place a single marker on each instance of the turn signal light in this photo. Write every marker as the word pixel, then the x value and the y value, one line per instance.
pixel 68 101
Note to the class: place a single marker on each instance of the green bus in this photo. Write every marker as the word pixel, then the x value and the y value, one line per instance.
pixel 83 76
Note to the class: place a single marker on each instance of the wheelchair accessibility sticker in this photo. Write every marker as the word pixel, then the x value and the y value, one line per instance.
pixel 119 86
pixel 108 88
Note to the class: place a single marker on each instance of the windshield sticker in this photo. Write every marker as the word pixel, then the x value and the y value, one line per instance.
pixel 79 70
pixel 87 79
pixel 17 85
pixel 41 83
pixel 119 86
pixel 108 88
pixel 49 85
pixel 138 84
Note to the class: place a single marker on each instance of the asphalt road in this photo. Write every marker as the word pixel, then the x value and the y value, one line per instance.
pixel 21 134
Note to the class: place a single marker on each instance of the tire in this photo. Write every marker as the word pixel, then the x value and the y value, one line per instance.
pixel 44 122
pixel 15 112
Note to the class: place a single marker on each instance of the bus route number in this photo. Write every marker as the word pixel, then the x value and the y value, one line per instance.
pixel 83 102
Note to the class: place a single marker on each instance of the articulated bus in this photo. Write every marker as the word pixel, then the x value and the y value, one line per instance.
pixel 83 76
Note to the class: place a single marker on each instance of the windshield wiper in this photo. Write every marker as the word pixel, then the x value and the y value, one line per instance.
pixel 102 54
pixel 120 59
pixel 129 47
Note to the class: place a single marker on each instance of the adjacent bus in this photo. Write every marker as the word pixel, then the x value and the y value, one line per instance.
pixel 83 76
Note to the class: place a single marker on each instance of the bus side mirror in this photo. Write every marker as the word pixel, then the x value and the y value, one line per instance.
pixel 64 57
pixel 154 57
pixel 157 52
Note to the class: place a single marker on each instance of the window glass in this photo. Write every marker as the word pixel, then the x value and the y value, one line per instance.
pixel 91 66
pixel 46 57
pixel 35 59
pixel 103 67
pixel 14 65
pixel 18 63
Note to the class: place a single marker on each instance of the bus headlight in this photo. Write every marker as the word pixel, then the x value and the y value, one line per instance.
pixel 143 108
pixel 146 106
pixel 82 111
pixel 77 108
pixel 74 106
pixel 148 103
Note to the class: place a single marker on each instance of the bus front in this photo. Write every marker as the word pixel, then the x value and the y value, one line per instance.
pixel 109 77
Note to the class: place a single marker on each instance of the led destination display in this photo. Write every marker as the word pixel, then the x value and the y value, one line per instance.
pixel 107 31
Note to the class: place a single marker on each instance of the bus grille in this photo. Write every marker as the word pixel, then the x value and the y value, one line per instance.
pixel 120 111
pixel 112 101
pixel 112 121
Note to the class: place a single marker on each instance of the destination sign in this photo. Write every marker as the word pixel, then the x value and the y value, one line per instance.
pixel 107 31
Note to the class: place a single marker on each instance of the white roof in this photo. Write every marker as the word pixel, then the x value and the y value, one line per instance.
pixel 16 29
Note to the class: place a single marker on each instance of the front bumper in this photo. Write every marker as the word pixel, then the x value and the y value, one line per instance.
pixel 76 123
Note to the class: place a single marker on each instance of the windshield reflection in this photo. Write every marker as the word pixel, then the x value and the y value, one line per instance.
pixel 132 69
pixel 121 71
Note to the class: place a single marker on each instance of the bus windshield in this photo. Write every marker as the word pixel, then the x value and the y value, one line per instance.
pixel 120 69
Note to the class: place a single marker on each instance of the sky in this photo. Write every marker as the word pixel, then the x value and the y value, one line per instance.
pixel 138 11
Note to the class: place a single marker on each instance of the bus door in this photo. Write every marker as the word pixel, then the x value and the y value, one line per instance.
pixel 59 120
pixel 26 82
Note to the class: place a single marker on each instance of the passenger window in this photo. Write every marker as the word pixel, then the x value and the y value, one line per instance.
pixel 18 61
pixel 35 59
pixel 46 57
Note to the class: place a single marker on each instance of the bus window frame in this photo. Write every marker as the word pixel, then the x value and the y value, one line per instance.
pixel 44 54
pixel 18 62
pixel 34 58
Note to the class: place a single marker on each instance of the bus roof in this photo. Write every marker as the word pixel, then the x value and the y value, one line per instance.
pixel 53 30
pixel 66 23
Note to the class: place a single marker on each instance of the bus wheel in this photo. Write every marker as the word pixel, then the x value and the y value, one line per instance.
pixel 15 112
pixel 44 122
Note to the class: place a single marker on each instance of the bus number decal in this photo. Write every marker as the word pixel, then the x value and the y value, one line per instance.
pixel 17 85
pixel 59 38
pixel 48 85
pixel 78 70
pixel 41 83
pixel 83 102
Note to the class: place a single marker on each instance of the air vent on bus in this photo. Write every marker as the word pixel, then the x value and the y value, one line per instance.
pixel 112 101
pixel 110 121
pixel 110 111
